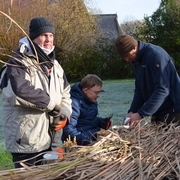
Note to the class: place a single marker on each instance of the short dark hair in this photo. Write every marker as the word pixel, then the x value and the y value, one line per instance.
pixel 90 81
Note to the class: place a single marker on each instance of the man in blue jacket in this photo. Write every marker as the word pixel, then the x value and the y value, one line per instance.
pixel 157 83
pixel 84 123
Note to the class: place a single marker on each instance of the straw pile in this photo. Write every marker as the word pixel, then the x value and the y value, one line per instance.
pixel 144 153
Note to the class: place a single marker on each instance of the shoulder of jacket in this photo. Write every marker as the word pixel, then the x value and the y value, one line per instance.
pixel 22 48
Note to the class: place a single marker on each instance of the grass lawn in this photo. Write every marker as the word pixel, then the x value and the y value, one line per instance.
pixel 116 99
pixel 5 159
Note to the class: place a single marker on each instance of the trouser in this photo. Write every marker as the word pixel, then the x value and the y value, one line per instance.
pixel 167 119
pixel 23 156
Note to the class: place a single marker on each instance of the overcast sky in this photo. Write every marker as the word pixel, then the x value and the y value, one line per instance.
pixel 127 9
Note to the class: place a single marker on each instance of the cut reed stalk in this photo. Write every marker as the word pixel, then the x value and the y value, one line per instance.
pixel 147 152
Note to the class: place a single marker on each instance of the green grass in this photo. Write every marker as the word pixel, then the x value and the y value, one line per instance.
pixel 116 99
pixel 5 159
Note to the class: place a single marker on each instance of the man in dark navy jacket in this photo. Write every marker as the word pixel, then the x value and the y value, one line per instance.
pixel 84 123
pixel 157 84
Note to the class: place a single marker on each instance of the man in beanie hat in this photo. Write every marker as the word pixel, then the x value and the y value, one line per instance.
pixel 35 95
pixel 157 83
pixel 40 25
pixel 125 44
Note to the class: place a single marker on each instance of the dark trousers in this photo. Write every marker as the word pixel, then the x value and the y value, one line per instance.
pixel 167 119
pixel 23 156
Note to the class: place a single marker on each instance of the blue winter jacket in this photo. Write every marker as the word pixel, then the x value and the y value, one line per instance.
pixel 84 123
pixel 157 84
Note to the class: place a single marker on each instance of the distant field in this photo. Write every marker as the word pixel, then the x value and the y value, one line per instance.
pixel 116 99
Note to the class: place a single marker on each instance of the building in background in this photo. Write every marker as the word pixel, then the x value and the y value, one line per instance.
pixel 108 26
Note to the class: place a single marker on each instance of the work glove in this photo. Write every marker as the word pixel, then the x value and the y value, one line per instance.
pixel 59 122
pixel 55 112
pixel 106 122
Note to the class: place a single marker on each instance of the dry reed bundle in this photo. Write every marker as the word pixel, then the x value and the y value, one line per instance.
pixel 148 152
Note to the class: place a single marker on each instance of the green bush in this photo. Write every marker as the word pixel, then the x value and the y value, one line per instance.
pixel 100 59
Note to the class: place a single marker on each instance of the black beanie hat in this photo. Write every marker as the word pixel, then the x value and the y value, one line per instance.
pixel 38 26
pixel 124 44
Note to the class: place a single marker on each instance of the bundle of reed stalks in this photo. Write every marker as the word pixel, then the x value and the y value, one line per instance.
pixel 147 152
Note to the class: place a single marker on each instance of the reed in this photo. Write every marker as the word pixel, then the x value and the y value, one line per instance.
pixel 146 152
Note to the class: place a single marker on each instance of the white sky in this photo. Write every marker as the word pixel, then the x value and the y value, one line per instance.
pixel 127 10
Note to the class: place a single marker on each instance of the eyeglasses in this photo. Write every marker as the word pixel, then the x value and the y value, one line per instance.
pixel 97 92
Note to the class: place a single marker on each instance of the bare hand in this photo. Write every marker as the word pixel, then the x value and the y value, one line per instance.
pixel 135 118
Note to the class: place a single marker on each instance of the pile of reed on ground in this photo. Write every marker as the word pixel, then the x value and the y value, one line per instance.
pixel 148 152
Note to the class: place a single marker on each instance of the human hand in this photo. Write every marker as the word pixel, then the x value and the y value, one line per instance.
pixel 105 123
pixel 59 122
pixel 129 114
pixel 56 111
pixel 135 118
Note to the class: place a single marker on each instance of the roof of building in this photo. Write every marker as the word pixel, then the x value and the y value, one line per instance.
pixel 109 26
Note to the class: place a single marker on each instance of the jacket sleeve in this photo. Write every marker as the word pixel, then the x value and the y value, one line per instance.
pixel 66 102
pixel 19 91
pixel 160 69
pixel 72 130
